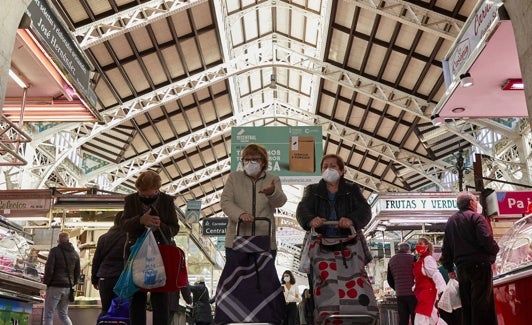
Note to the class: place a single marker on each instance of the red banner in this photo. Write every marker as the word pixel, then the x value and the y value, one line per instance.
pixel 513 202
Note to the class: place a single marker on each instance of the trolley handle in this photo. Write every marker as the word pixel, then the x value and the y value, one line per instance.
pixel 253 225
pixel 331 223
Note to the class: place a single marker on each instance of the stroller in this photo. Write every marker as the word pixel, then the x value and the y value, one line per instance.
pixel 342 290
pixel 249 290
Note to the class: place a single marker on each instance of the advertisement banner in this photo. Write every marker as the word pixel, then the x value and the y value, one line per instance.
pixel 294 151
pixel 513 203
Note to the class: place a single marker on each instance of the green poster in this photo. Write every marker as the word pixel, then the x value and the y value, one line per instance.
pixel 294 151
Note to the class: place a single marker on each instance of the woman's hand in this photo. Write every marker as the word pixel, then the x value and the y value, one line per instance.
pixel 246 217
pixel 268 190
pixel 317 222
pixel 150 221
pixel 344 222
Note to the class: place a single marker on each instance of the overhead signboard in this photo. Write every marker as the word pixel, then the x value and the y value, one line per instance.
pixel 25 203
pixel 214 226
pixel 509 204
pixel 422 204
pixel 62 48
pixel 193 211
pixel 294 152
pixel 474 33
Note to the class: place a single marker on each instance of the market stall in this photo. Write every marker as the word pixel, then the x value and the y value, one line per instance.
pixel 513 274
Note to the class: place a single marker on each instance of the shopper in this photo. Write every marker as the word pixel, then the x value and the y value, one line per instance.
pixel 400 277
pixel 61 272
pixel 292 297
pixel 469 243
pixel 333 199
pixel 108 262
pixel 249 194
pixel 201 307
pixel 149 207
pixel 306 308
pixel 429 284
pixel 178 312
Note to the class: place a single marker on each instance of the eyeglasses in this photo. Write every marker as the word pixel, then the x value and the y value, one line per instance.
pixel 251 160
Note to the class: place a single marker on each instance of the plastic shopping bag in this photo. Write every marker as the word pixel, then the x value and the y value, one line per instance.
pixel 450 298
pixel 125 287
pixel 148 265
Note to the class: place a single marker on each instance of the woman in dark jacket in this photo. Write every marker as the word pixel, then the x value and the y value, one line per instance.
pixel 108 262
pixel 201 307
pixel 149 207
pixel 333 199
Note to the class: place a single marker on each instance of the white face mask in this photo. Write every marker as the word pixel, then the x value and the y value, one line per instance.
pixel 479 208
pixel 330 175
pixel 252 168
pixel 286 279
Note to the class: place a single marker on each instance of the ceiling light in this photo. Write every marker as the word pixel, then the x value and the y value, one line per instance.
pixel 466 80
pixel 437 120
pixel 16 78
pixel 458 110
pixel 513 84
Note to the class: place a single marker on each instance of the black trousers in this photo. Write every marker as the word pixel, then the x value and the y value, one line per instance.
pixel 159 305
pixel 105 287
pixel 292 314
pixel 406 306
pixel 476 293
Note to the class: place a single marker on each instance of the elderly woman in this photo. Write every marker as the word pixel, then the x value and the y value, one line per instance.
pixel 149 207
pixel 249 194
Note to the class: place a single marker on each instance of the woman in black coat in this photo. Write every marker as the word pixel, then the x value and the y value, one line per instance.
pixel 201 307
pixel 149 207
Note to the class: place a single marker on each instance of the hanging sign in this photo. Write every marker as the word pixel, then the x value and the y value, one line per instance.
pixel 193 211
pixel 294 152
pixel 214 226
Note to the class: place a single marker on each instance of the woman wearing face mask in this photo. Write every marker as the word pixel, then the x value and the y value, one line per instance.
pixel 332 199
pixel 149 207
pixel 429 284
pixel 251 193
pixel 292 297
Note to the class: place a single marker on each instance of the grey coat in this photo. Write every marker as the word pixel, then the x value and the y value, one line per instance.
pixel 241 195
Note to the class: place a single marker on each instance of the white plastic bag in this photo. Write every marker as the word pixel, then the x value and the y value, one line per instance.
pixel 148 266
pixel 450 298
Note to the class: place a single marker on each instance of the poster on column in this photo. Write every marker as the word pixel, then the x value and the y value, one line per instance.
pixel 294 152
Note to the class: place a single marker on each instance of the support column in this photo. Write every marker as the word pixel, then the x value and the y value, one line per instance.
pixel 10 16
pixel 520 12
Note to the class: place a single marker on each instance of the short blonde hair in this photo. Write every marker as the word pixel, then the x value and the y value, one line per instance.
pixel 148 180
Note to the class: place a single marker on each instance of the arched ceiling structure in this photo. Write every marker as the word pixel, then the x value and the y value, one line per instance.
pixel 173 77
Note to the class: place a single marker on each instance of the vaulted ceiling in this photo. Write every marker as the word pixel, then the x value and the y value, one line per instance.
pixel 172 78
